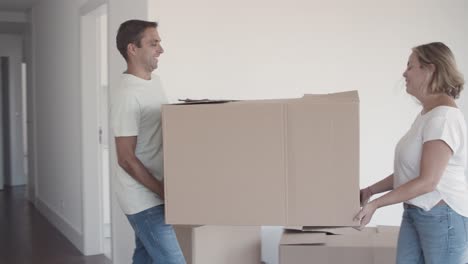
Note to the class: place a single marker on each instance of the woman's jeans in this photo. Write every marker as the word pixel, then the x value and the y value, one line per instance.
pixel 438 236
pixel 155 241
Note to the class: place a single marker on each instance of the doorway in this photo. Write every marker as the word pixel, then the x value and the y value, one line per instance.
pixel 94 95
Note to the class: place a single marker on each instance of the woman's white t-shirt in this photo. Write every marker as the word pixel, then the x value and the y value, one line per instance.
pixel 441 123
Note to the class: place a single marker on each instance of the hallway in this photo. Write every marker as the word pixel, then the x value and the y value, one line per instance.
pixel 26 237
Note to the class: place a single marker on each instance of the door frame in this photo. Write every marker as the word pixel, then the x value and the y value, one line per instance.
pixel 92 194
pixel 4 119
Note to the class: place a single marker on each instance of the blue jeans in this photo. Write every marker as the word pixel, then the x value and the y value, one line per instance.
pixel 433 237
pixel 155 241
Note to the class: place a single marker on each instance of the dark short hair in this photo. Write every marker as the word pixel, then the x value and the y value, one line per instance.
pixel 131 31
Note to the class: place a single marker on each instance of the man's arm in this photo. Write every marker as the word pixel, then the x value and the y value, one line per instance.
pixel 132 165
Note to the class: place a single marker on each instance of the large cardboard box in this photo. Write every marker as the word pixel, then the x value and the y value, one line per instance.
pixel 263 162
pixel 220 244
pixel 336 246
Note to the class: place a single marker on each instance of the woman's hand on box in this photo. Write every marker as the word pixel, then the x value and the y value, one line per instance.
pixel 365 215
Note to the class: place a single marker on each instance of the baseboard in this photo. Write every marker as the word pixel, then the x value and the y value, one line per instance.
pixel 74 236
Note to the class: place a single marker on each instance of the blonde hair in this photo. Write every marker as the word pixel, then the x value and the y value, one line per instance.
pixel 446 78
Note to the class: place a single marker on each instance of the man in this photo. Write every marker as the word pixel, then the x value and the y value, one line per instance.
pixel 136 122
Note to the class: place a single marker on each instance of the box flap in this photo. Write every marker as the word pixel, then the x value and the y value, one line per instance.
pixel 330 230
pixel 352 239
pixel 202 101
pixel 299 238
pixel 367 246
pixel 350 96
pixel 269 101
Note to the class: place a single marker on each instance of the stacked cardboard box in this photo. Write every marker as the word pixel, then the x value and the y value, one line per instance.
pixel 220 244
pixel 339 245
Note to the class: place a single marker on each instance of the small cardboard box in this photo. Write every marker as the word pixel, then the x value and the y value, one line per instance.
pixel 337 246
pixel 263 162
pixel 220 244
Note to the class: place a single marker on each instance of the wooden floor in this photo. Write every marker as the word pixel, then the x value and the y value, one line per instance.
pixel 26 237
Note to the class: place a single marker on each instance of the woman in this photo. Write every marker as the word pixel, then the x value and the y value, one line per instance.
pixel 429 167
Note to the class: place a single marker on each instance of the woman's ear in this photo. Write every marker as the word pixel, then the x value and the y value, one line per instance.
pixel 431 68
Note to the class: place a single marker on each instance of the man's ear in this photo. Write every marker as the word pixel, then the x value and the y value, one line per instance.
pixel 131 49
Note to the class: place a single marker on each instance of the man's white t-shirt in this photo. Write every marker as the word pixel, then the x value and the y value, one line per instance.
pixel 136 111
pixel 441 123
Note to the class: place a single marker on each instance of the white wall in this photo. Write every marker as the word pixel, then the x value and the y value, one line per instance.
pixel 29 51
pixel 272 49
pixel 13 16
pixel 11 46
pixel 57 113
pixel 278 49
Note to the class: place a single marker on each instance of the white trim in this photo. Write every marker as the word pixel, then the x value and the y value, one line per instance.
pixel 92 204
pixel 34 106
pixel 89 160
pixel 71 233
pixel 2 148
pixel 90 6
pixel 107 230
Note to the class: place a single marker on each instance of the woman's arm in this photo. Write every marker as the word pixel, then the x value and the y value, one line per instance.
pixel 379 187
pixel 435 157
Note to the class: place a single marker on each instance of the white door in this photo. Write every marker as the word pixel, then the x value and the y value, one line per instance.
pixel 24 123
pixel 103 130
pixel 96 195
